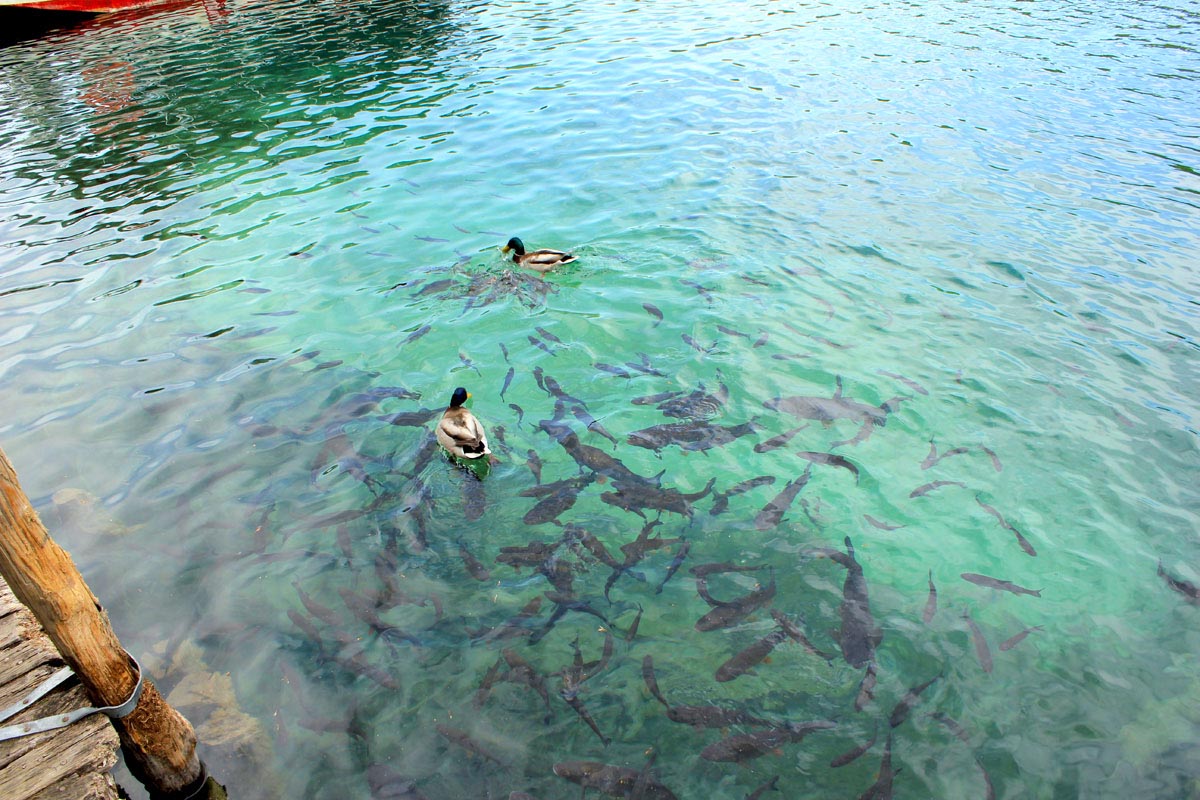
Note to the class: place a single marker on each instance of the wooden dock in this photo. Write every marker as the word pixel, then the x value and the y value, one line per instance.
pixel 71 763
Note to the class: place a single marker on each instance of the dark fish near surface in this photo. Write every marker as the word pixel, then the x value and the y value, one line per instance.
pixel 653 311
pixel 463 740
pixel 692 343
pixel 413 419
pixel 698 435
pixel 934 457
pixel 795 634
pixel 676 562
pixel 752 656
pixel 504 352
pixel 772 513
pixel 386 784
pixel 745 746
pixel 1013 641
pixel 734 611
pixel 830 459
pixel 732 332
pixel 520 412
pixel 698 404
pixel 474 567
pixel 996 465
pixel 882 788
pixel 1021 540
pixel 536 342
pixel 904 707
pixel 1185 588
pixel 829 409
pixel 850 755
pixel 763 788
pixel 916 387
pixel 776 442
pixel 635 496
pixel 620 373
pixel 507 380
pixel 866 688
pixel 474 498
pixel 883 526
pixel 645 367
pixel 613 780
pixel 921 491
pixel 859 635
pixel 548 336
pixel 981 646
pixel 721 499
pixel 951 725
pixel 931 603
pixel 995 583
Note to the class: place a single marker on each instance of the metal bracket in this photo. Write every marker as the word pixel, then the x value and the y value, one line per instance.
pixel 63 720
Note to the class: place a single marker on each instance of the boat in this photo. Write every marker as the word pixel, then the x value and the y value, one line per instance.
pixel 81 6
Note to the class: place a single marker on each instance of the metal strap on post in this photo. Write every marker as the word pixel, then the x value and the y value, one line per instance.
pixel 63 720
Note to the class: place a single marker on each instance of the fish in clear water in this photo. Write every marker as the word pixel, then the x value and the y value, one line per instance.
pixel 692 343
pixel 1013 641
pixel 745 746
pixel 1021 540
pixel 732 332
pixel 653 311
pixel 982 652
pixel 703 291
pixel 866 688
pixel 417 334
pixel 721 499
pixel 612 780
pixel 859 634
pixel 883 526
pixel 508 376
pixel 519 411
pixel 538 343
pixel 916 387
pixel 830 459
pixel 534 462
pixel 772 513
pixel 830 409
pixel 934 457
pixel 609 368
pixel 640 495
pixel 727 613
pixel 746 660
pixel 504 352
pixel 853 754
pixel 776 442
pixel 882 788
pixel 698 435
pixel 475 567
pixel 795 634
pixel 996 465
pixel 996 583
pixel 930 602
pixel 769 785
pixel 645 367
pixel 925 489
pixel 464 740
pixel 673 567
pixel 903 708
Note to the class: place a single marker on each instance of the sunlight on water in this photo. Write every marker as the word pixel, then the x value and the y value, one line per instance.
pixel 896 279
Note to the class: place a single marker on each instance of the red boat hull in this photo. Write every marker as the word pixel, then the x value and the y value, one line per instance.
pixel 84 6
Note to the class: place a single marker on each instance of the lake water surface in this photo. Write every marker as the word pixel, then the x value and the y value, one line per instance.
pixel 244 244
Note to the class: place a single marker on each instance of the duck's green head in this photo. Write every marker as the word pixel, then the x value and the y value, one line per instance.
pixel 516 245
pixel 459 397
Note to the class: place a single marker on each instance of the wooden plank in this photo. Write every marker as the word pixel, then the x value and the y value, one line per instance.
pixel 72 763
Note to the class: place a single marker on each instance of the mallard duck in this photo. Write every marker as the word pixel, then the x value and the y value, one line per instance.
pixel 459 432
pixel 539 260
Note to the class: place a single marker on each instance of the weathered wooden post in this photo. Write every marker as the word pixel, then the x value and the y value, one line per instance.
pixel 159 744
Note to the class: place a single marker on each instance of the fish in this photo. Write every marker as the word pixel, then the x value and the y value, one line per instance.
pixel 916 387
pixel 548 336
pixel 859 635
pixel 829 409
pixel 996 465
pixel 592 424
pixel 535 464
pixel 1021 540
pixel 645 367
pixel 536 342
pixel 921 491
pixel 638 495
pixel 413 419
pixel 776 442
pixel 934 458
pixel 830 459
pixel 903 708
pixel 464 740
pixel 730 613
pixel 633 628
pixel 981 646
pixel 520 412
pixel 795 634
pixel 504 352
pixel 952 725
pixel 436 239
pixel 323 613
pixel 1013 641
pixel 721 499
pixel 752 656
pixel 651 680
pixel 514 626
pixel 417 334
pixel 653 311
pixel 1185 588
pixel 521 672
pixel 851 755
pixel 474 498
pixel 485 686
pixel 883 526
pixel 697 404
pixel 703 291
pixel 698 435
pixel 702 571
pixel 745 746
pixel 995 583
pixel 772 513
pixel 474 567
pixel 882 788
pixel 572 699
pixel 676 562
pixel 762 340
pixel 763 788
pixel 620 373
pixel 866 688
pixel 790 356
pixel 931 603
pixel 387 784
pixel 692 343
pixel 507 380
pixel 732 332
pixel 613 780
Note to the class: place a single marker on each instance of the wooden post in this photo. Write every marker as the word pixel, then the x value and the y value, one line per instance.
pixel 159 744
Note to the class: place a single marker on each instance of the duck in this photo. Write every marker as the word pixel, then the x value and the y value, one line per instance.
pixel 459 432
pixel 539 260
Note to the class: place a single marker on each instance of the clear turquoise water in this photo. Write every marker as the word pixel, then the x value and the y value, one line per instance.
pixel 220 223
